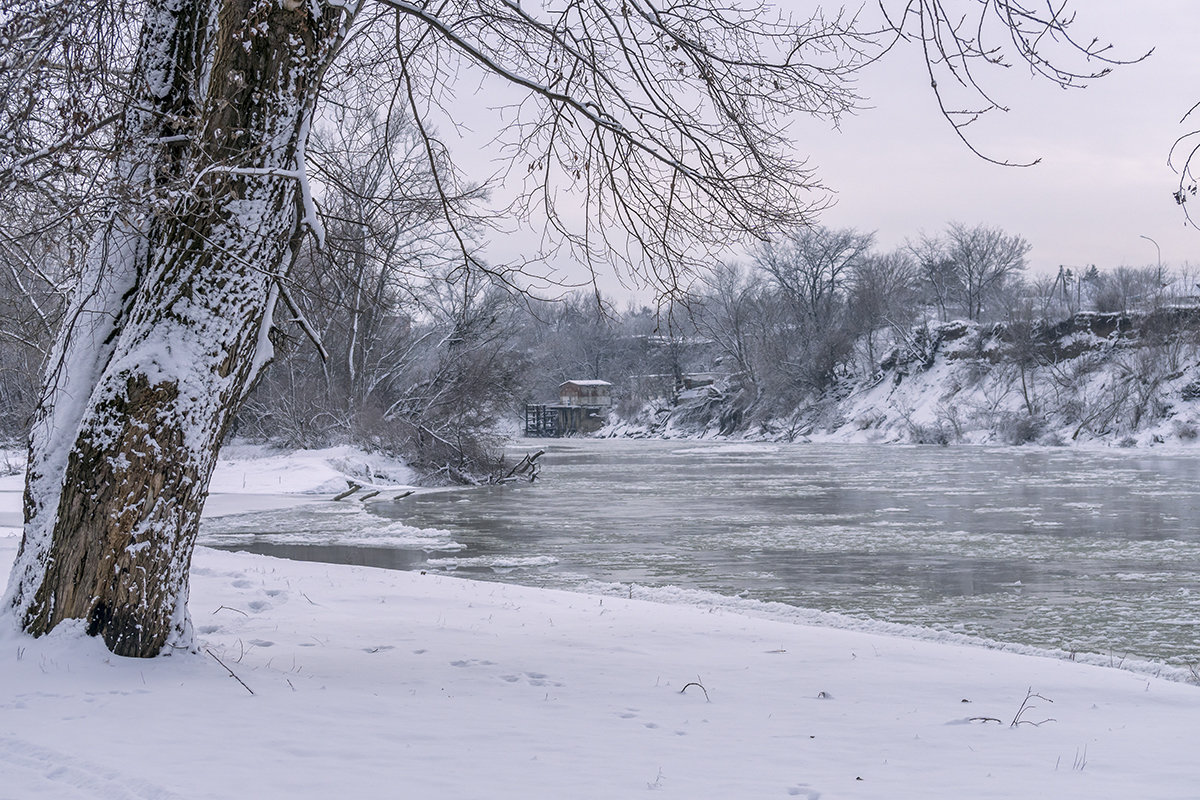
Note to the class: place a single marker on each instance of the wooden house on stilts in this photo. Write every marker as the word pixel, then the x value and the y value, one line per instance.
pixel 582 407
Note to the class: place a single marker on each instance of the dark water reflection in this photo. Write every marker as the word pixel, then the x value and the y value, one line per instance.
pixel 1093 551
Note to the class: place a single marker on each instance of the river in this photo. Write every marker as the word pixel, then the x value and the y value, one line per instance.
pixel 1088 551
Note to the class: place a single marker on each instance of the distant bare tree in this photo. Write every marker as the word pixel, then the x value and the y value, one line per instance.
pixel 883 293
pixel 968 264
pixel 36 266
pixel 1126 289
pixel 726 313
pixel 58 75
pixel 811 269
pixel 939 279
pixel 812 266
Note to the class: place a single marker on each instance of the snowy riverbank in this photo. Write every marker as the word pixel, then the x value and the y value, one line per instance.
pixel 376 684
pixel 1093 380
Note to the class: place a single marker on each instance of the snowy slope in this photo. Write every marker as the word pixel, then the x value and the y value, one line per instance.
pixel 1105 380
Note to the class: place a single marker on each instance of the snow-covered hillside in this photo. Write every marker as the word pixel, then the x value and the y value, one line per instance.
pixel 1101 378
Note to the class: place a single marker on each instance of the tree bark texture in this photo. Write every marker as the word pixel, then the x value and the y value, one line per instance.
pixel 168 329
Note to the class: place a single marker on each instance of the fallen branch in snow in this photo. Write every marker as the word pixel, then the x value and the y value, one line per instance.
pixel 701 685
pixel 232 674
pixel 230 608
pixel 354 487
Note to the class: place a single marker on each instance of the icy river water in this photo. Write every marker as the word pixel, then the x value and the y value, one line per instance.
pixel 1085 551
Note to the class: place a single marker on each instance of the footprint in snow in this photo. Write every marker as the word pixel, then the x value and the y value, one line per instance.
pixel 533 678
pixel 56 773
pixel 539 679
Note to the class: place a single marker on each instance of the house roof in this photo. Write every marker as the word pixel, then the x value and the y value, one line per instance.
pixel 584 383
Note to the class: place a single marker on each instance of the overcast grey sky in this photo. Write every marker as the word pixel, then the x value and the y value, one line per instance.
pixel 1103 181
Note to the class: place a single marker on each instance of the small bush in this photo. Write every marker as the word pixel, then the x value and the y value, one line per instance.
pixel 1020 428
pixel 1186 430
pixel 1052 439
pixel 929 434
pixel 869 420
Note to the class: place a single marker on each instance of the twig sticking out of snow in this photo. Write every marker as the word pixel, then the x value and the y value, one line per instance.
pixel 232 674
pixel 701 685
pixel 1025 706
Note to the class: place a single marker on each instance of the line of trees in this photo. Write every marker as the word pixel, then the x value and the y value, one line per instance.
pixel 404 355
pixel 820 302
pixel 804 316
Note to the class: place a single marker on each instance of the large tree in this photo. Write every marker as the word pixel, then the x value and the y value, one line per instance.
pixel 664 121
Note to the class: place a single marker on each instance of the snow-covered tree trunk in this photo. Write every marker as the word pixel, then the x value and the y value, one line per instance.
pixel 169 327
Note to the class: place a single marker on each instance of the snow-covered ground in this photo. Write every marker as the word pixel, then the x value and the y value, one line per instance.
pixel 378 684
